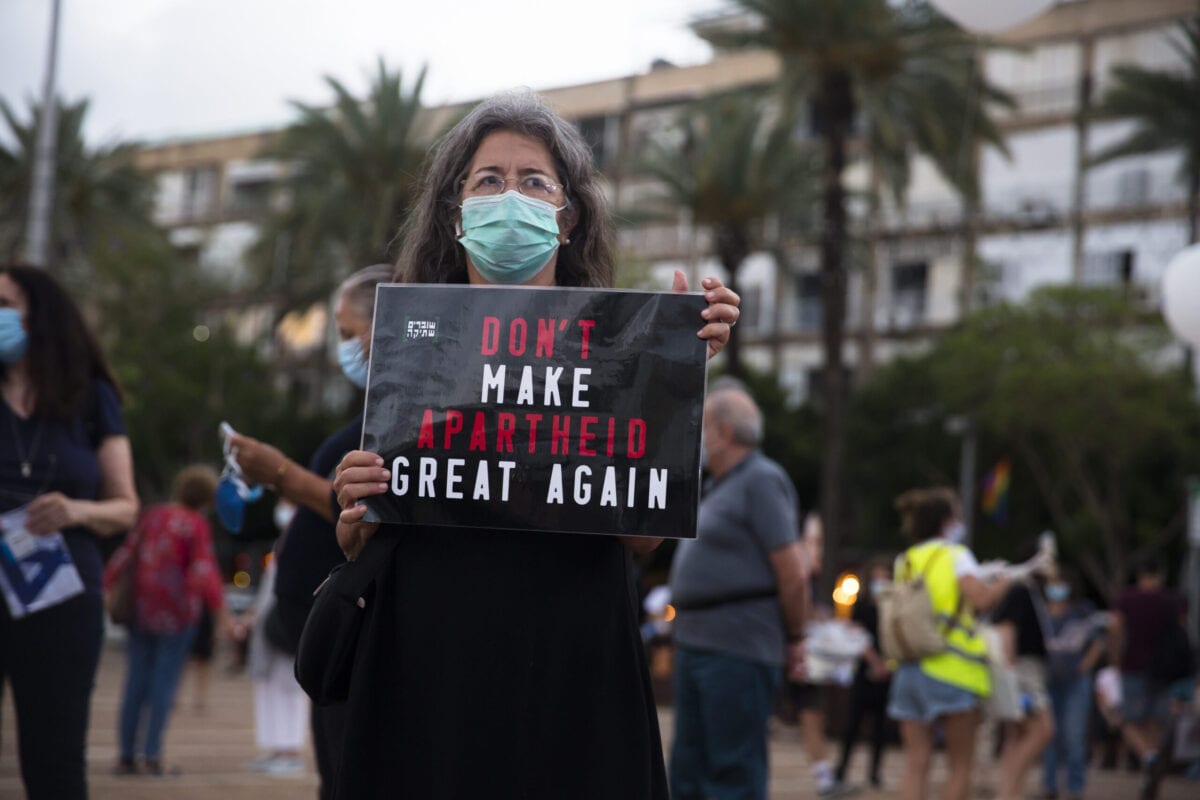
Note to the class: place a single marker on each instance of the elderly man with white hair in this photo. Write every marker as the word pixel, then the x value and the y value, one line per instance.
pixel 740 590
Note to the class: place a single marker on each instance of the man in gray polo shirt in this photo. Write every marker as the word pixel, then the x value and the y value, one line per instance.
pixel 739 590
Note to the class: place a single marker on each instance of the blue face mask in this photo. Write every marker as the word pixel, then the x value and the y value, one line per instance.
pixel 233 495
pixel 13 339
pixel 956 533
pixel 1057 592
pixel 509 237
pixel 352 361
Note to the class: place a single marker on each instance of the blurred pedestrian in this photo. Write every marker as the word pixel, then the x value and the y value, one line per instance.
pixel 739 590
pixel 65 461
pixel 280 705
pixel 869 692
pixel 200 659
pixel 946 689
pixel 1021 620
pixel 309 547
pixel 1074 648
pixel 811 698
pixel 1142 617
pixel 175 574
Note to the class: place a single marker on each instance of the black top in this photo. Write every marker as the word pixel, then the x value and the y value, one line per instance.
pixel 866 614
pixel 62 458
pixel 310 549
pixel 502 665
pixel 1018 607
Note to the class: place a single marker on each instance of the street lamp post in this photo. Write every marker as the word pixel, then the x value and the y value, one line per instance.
pixel 41 195
pixel 1181 307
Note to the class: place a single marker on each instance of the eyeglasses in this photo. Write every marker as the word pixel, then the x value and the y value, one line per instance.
pixel 535 185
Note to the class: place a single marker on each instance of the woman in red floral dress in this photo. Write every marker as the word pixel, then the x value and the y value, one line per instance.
pixel 176 575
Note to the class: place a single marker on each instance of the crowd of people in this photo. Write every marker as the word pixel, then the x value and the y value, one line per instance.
pixel 1018 650
pixel 511 197
pixel 546 693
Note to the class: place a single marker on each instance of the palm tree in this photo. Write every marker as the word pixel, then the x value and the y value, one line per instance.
pixel 734 171
pixel 937 105
pixel 353 172
pixel 840 56
pixel 1166 107
pixel 101 201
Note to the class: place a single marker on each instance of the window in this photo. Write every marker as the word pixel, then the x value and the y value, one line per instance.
pixel 810 311
pixel 595 131
pixel 1133 187
pixel 200 193
pixel 249 197
pixel 751 307
pixel 1114 268
pixel 909 284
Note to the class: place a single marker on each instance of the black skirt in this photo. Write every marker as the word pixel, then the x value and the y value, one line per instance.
pixel 503 665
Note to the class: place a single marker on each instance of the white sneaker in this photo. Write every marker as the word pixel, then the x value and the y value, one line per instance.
pixel 260 764
pixel 285 765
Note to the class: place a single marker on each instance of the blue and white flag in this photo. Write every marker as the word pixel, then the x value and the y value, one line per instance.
pixel 36 572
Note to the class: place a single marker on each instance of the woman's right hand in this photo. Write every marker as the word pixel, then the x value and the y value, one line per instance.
pixel 359 474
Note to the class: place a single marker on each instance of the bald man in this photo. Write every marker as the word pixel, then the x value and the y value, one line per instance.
pixel 739 590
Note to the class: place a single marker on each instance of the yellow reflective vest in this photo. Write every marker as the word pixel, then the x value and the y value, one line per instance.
pixel 964 662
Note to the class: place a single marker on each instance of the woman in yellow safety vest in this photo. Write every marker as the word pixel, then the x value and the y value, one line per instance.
pixel 949 687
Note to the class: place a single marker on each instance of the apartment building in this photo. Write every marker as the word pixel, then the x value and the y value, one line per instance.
pixel 1045 216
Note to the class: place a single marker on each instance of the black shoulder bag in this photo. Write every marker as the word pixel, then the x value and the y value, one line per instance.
pixel 325 657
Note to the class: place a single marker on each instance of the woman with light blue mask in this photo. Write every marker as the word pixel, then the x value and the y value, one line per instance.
pixel 66 465
pixel 309 548
pixel 515 653
pixel 1074 645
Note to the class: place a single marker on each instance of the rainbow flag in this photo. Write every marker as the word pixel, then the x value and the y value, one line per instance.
pixel 994 497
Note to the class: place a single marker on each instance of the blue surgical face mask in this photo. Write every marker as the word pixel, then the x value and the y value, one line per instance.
pixel 509 237
pixel 1057 592
pixel 13 339
pixel 233 495
pixel 352 361
pixel 233 492
pixel 877 586
pixel 956 532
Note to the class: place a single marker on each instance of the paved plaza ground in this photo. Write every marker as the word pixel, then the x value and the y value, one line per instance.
pixel 211 749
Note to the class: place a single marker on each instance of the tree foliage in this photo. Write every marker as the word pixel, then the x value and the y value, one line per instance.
pixel 1073 385
pixel 145 302
pixel 1165 106
pixel 840 57
pixel 733 167
pixel 354 169
pixel 101 201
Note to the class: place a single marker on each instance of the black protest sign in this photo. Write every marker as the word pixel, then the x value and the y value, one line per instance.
pixel 573 410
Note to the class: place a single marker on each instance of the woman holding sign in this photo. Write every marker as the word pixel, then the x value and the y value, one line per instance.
pixel 66 476
pixel 505 664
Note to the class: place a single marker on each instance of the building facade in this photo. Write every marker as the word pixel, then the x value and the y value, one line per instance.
pixel 1045 217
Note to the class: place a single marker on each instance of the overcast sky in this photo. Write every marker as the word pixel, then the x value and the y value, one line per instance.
pixel 155 69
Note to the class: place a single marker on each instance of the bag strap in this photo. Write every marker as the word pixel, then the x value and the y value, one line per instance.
pixel 940 550
pixel 907 574
pixel 375 557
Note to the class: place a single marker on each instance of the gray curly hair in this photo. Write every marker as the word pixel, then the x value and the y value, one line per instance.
pixel 430 252
pixel 359 289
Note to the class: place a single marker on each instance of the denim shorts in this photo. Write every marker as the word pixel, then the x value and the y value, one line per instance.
pixel 917 696
pixel 1142 700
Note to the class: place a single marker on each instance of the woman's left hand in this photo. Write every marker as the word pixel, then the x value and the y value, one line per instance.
pixel 260 462
pixel 722 312
pixel 51 512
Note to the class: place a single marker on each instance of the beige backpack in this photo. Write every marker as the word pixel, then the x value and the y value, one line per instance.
pixel 908 629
